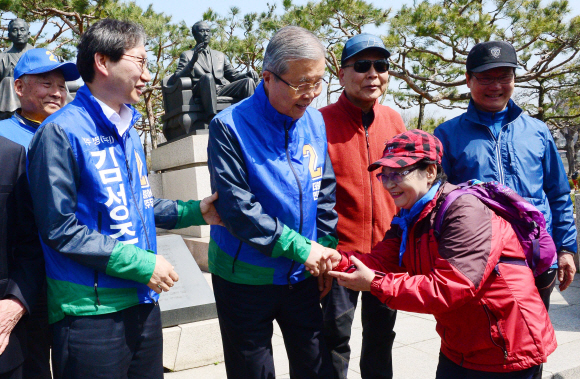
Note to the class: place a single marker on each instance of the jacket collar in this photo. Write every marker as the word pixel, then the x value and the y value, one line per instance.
pixel 262 104
pixel 24 121
pixel 88 101
pixel 437 200
pixel 353 112
pixel 513 112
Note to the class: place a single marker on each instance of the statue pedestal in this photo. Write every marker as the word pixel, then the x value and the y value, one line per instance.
pixel 182 174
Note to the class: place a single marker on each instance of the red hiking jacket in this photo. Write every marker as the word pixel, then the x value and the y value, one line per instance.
pixel 490 316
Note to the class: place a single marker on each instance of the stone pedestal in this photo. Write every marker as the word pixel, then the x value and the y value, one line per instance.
pixel 184 174
pixel 180 172
pixel 192 345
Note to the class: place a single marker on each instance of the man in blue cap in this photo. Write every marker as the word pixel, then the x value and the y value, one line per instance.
pixel 25 350
pixel 357 127
pixel 39 82
pixel 496 141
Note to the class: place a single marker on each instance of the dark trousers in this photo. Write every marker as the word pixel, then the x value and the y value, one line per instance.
pixel 246 314
pixel 120 345
pixel 13 374
pixel 545 284
pixel 38 340
pixel 378 322
pixel 447 369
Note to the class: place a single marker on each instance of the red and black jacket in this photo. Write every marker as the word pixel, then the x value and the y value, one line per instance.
pixel 489 314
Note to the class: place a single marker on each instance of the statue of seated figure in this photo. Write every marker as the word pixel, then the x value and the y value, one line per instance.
pixel 18 33
pixel 204 83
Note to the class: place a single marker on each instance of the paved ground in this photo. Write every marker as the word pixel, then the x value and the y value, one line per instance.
pixel 416 348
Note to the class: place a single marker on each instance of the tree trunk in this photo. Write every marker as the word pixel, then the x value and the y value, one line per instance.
pixel 145 132
pixel 570 151
pixel 328 93
pixel 151 119
pixel 541 93
pixel 421 113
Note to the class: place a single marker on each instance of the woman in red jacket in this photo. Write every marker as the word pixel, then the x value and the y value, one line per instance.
pixel 489 315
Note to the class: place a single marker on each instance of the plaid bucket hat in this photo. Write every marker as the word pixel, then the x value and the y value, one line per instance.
pixel 409 148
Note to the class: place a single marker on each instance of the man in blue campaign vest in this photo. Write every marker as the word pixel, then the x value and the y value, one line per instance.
pixel 96 216
pixel 496 141
pixel 268 161
pixel 39 83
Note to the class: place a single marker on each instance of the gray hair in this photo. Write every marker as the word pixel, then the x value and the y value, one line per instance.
pixel 291 43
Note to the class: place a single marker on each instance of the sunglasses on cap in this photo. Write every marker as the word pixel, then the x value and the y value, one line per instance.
pixel 362 66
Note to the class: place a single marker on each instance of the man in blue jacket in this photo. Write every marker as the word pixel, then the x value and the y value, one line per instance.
pixel 495 141
pixel 39 83
pixel 96 216
pixel 268 161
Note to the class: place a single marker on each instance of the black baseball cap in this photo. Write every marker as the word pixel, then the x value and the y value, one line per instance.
pixel 487 55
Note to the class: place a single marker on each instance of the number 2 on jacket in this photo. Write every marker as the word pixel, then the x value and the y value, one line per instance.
pixel 309 152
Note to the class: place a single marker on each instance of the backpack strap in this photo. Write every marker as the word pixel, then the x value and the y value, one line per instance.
pixel 449 199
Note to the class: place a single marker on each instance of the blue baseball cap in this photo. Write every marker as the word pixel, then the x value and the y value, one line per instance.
pixel 362 42
pixel 39 61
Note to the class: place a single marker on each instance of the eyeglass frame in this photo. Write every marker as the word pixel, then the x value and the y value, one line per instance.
pixel 311 86
pixel 143 61
pixel 372 65
pixel 493 80
pixel 389 177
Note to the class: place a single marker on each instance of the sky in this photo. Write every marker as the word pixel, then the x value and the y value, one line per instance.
pixel 191 12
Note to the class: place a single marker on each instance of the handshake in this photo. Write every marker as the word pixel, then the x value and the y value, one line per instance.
pixel 320 261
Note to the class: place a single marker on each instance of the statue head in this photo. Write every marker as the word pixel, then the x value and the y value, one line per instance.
pixel 201 32
pixel 18 33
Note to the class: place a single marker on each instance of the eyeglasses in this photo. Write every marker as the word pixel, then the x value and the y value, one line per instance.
pixel 362 66
pixel 505 79
pixel 302 89
pixel 142 64
pixel 395 177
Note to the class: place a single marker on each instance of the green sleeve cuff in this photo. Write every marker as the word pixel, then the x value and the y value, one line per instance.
pixel 328 241
pixel 189 214
pixel 292 246
pixel 130 262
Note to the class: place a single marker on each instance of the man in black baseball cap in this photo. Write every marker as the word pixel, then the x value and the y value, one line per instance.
pixel 496 141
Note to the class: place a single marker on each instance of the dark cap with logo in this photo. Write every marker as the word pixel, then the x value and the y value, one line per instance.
pixel 487 55
pixel 362 42
pixel 408 148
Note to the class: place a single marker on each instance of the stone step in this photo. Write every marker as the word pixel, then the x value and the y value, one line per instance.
pixel 192 345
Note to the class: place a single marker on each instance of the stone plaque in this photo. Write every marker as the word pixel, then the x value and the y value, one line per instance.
pixel 191 299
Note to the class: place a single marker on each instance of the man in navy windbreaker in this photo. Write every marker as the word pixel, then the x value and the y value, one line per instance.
pixel 496 141
pixel 268 161
pixel 96 216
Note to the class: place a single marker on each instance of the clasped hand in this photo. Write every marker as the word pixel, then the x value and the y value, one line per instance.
pixel 322 260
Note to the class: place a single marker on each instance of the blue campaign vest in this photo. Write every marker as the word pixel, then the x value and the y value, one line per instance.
pixel 262 133
pixel 113 192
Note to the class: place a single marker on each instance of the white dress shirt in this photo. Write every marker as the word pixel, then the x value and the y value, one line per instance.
pixel 121 121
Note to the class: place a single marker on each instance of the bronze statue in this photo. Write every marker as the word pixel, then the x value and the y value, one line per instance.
pixel 18 33
pixel 211 72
